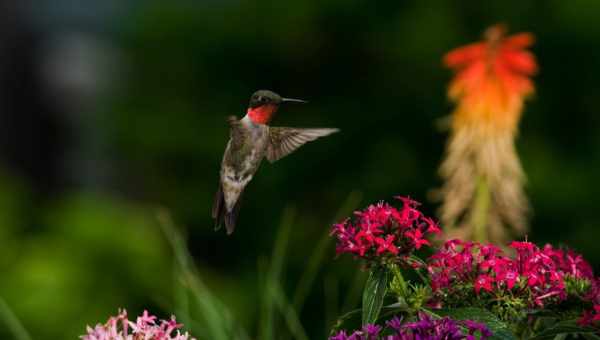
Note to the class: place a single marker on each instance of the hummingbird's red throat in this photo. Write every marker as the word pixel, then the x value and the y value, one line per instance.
pixel 261 114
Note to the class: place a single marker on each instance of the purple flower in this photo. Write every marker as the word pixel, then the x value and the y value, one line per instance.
pixel 371 330
pixel 474 326
pixel 339 336
pixel 395 323
pixel 424 328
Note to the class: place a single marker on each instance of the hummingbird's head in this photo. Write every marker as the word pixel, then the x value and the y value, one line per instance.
pixel 264 104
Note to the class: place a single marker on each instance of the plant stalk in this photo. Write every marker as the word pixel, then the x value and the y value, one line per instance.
pixel 481 207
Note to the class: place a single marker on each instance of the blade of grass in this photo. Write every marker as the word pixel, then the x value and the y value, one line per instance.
pixel 281 242
pixel 314 263
pixel 218 320
pixel 267 317
pixel 273 275
pixel 182 301
pixel 289 314
pixel 14 325
pixel 355 292
pixel 331 292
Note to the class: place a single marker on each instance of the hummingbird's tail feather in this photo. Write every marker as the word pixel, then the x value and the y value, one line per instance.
pixel 220 213
pixel 231 216
pixel 218 209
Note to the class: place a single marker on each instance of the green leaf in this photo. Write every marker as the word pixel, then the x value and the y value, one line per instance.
pixel 590 336
pixel 567 327
pixel 499 329
pixel 373 295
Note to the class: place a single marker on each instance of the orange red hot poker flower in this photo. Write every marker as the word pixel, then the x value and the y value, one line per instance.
pixel 483 178
pixel 492 79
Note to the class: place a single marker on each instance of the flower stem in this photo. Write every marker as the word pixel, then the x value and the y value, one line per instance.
pixel 479 216
pixel 398 281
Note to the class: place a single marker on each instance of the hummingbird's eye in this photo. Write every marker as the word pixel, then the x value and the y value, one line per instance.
pixel 261 99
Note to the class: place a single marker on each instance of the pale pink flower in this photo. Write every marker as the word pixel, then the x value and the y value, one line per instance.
pixel 145 328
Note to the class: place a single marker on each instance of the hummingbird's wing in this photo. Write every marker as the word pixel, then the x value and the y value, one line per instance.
pixel 236 130
pixel 284 140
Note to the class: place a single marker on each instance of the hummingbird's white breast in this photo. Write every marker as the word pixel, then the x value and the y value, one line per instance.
pixel 242 159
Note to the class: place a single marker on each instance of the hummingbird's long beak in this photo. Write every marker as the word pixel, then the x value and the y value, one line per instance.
pixel 292 100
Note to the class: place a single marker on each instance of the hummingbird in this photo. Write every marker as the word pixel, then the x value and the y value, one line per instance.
pixel 251 140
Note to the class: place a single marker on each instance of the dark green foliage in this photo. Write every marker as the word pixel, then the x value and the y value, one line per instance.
pixel 564 329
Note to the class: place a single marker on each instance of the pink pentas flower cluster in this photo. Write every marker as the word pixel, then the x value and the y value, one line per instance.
pixel 592 316
pixel 381 231
pixel 537 275
pixel 146 327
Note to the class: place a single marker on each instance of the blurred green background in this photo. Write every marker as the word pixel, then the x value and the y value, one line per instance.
pixel 112 109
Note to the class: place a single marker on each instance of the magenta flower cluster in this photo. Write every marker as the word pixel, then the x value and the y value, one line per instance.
pixel 382 231
pixel 146 327
pixel 426 328
pixel 592 316
pixel 537 275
